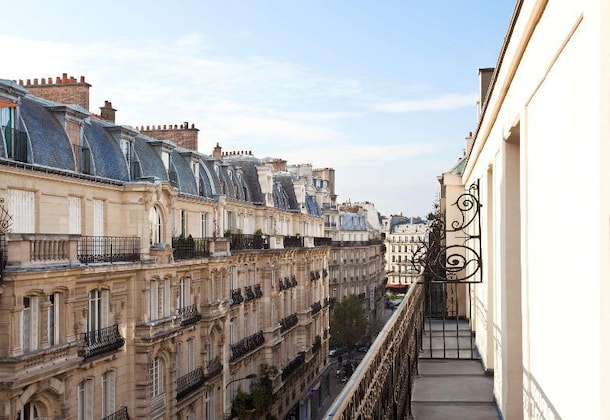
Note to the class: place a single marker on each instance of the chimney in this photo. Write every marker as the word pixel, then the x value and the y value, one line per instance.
pixel 107 112
pixel 469 141
pixel 485 77
pixel 217 153
pixel 183 135
pixel 65 90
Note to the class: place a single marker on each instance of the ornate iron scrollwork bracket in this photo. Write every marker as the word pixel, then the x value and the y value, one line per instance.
pixel 451 253
pixel 6 223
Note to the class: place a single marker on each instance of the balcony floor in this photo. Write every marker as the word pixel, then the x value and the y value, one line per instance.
pixel 451 388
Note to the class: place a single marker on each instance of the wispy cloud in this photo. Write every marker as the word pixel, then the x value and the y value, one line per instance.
pixel 443 102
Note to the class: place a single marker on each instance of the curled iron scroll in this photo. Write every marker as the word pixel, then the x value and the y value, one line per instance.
pixel 456 262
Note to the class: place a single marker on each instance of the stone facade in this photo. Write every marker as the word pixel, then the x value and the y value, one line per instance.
pixel 120 295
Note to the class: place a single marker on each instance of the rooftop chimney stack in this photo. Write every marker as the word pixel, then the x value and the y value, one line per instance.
pixel 183 135
pixel 65 90
pixel 107 112
pixel 217 152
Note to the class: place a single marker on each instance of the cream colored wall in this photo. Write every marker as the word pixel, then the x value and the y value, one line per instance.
pixel 558 91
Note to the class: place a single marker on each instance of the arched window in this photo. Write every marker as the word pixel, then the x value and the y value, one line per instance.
pixel 155 224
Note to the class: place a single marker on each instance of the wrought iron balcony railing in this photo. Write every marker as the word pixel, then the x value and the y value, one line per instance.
pixel 189 315
pixel 322 241
pixel 120 414
pixel 315 308
pixel 288 282
pixel 104 340
pixel 258 292
pixel 382 384
pixel 108 249
pixel 314 275
pixel 293 242
pixel 288 322
pixel 189 247
pixel 213 368
pixel 317 344
pixel 236 297
pixel 249 294
pixel 243 242
pixel 16 144
pixel 293 365
pixel 189 382
pixel 245 346
pixel 356 243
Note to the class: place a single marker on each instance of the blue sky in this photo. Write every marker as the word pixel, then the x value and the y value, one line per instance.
pixel 382 91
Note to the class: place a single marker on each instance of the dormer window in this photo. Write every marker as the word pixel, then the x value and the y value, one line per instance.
pixel 165 157
pixel 15 141
pixel 126 149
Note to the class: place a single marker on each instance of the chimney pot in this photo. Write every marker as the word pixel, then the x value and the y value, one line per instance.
pixel 36 81
pixel 50 80
pixel 28 81
pixel 82 79
pixel 64 76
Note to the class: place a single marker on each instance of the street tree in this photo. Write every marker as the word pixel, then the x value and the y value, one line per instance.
pixel 348 324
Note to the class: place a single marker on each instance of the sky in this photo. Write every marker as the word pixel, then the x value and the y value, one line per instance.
pixel 382 91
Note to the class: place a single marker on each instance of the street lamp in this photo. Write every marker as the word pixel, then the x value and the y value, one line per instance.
pixel 250 376
pixel 227 411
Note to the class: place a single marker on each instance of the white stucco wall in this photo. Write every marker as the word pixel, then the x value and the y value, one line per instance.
pixel 551 100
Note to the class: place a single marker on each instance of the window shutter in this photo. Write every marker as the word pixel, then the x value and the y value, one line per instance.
pixel 89 399
pixel 191 354
pixel 166 298
pixel 25 320
pixel 179 371
pixel 154 303
pixel 74 209
pixel 34 324
pixel 104 308
pixel 22 209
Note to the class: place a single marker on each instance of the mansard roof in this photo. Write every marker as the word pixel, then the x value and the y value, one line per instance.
pixel 106 155
pixel 48 140
pixel 42 124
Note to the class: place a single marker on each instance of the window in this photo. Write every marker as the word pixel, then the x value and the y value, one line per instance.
pixel 190 355
pixel 210 409
pixel 165 157
pixel 159 299
pixel 126 149
pixel 232 333
pixel 29 323
pixel 21 207
pixel 74 218
pixel 204 225
pixel 155 225
pixel 183 222
pixel 97 318
pixel 53 319
pixel 30 412
pixel 108 393
pixel 98 218
pixel 233 277
pixel 156 378
pixel 85 400
pixel 195 167
pixel 184 298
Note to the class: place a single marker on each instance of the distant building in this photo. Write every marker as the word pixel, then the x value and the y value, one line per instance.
pixel 402 245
